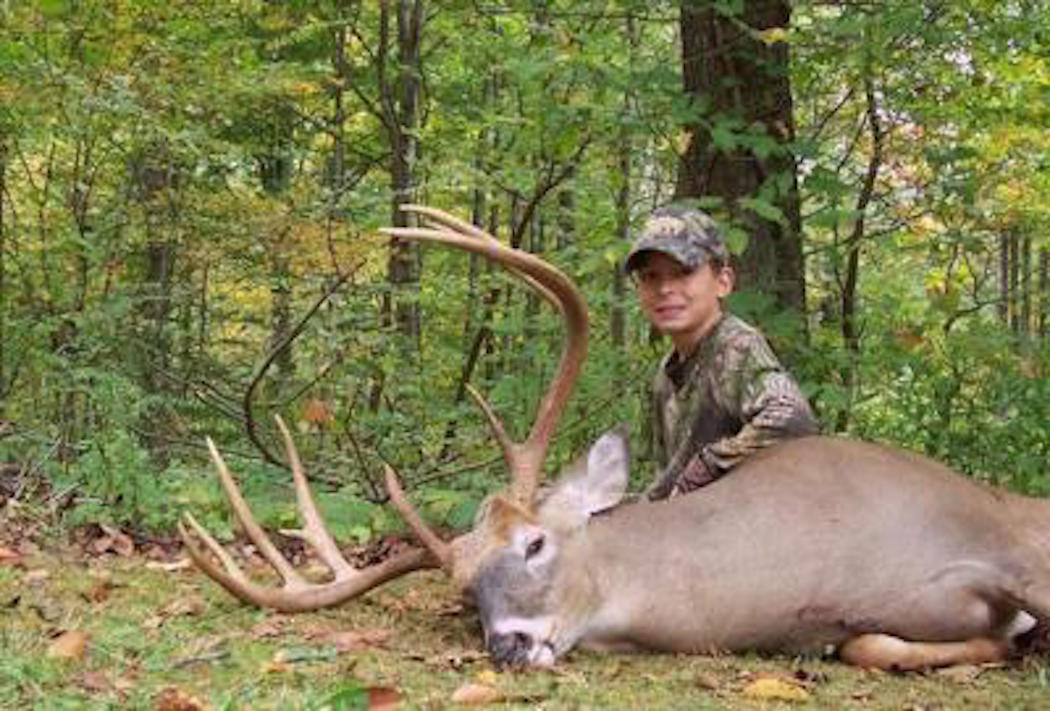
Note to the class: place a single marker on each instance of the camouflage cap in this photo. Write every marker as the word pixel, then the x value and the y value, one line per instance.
pixel 683 233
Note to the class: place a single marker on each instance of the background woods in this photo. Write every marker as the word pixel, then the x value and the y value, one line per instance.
pixel 188 197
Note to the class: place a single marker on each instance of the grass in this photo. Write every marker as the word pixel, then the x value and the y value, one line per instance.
pixel 154 634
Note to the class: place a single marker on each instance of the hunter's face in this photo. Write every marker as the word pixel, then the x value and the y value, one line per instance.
pixel 681 302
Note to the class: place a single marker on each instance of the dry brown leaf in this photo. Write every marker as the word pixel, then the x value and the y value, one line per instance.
pixel 471 694
pixel 383 698
pixel 775 688
pixel 113 540
pixel 71 644
pixel 172 699
pixel 317 411
pixel 189 606
pixel 356 640
pixel 94 681
pixel 707 681
pixel 9 557
pixel 99 593
pixel 270 627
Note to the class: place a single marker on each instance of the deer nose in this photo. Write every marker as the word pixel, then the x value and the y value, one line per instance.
pixel 511 649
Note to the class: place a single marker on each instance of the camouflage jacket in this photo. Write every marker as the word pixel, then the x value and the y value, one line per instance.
pixel 730 398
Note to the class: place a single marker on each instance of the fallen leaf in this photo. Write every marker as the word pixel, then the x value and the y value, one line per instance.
pixel 71 644
pixel 99 593
pixel 94 681
pixel 35 577
pixel 172 699
pixel 487 676
pixel 270 627
pixel 275 667
pixel 707 681
pixel 775 688
pixel 383 698
pixel 961 673
pixel 113 539
pixel 9 557
pixel 188 606
pixel 471 694
pixel 183 564
pixel 355 640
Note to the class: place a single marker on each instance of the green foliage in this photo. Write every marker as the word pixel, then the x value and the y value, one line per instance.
pixel 181 184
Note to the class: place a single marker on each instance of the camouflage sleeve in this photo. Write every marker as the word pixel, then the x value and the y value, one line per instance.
pixel 768 400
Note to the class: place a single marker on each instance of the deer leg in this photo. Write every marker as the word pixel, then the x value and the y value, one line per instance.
pixel 883 651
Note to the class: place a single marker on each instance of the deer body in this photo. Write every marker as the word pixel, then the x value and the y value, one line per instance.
pixel 889 557
pixel 807 546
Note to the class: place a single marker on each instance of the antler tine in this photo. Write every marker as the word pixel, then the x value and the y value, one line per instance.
pixel 453 223
pixel 244 515
pixel 296 593
pixel 313 530
pixel 526 459
pixel 427 537
pixel 287 599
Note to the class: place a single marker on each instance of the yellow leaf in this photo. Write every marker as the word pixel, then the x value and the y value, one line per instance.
pixel 487 677
pixel 476 695
pixel 773 35
pixel 777 689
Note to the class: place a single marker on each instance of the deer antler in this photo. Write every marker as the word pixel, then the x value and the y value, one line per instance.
pixel 296 593
pixel 524 459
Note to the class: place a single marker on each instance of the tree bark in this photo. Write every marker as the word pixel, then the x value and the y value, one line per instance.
pixel 734 77
pixel 1004 279
pixel 1015 312
pixel 3 275
pixel 402 106
pixel 618 314
pixel 1026 285
pixel 1044 290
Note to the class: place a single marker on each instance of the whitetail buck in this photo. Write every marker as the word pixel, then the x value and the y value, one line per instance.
pixel 817 544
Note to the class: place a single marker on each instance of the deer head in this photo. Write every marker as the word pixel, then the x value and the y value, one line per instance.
pixel 511 562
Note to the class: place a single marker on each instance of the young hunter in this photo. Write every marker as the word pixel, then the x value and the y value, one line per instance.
pixel 720 394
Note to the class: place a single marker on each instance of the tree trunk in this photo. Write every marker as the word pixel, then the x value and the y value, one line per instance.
pixel 744 82
pixel 1004 279
pixel 1026 285
pixel 618 315
pixel 1015 312
pixel 1044 290
pixel 154 181
pixel 402 126
pixel 850 329
pixel 3 274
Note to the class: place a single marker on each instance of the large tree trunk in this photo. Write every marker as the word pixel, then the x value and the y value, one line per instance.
pixel 739 83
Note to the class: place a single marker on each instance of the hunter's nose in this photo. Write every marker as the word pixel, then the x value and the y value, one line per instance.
pixel 511 649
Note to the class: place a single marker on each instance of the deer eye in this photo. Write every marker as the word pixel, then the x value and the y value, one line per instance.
pixel 534 548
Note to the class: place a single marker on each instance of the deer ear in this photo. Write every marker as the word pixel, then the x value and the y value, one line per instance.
pixel 594 483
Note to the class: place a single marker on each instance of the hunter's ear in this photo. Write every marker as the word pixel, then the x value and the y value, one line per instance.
pixel 595 482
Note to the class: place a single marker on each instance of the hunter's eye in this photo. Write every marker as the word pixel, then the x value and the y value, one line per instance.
pixel 534 548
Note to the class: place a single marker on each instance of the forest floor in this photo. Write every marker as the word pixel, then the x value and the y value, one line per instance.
pixel 97 619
